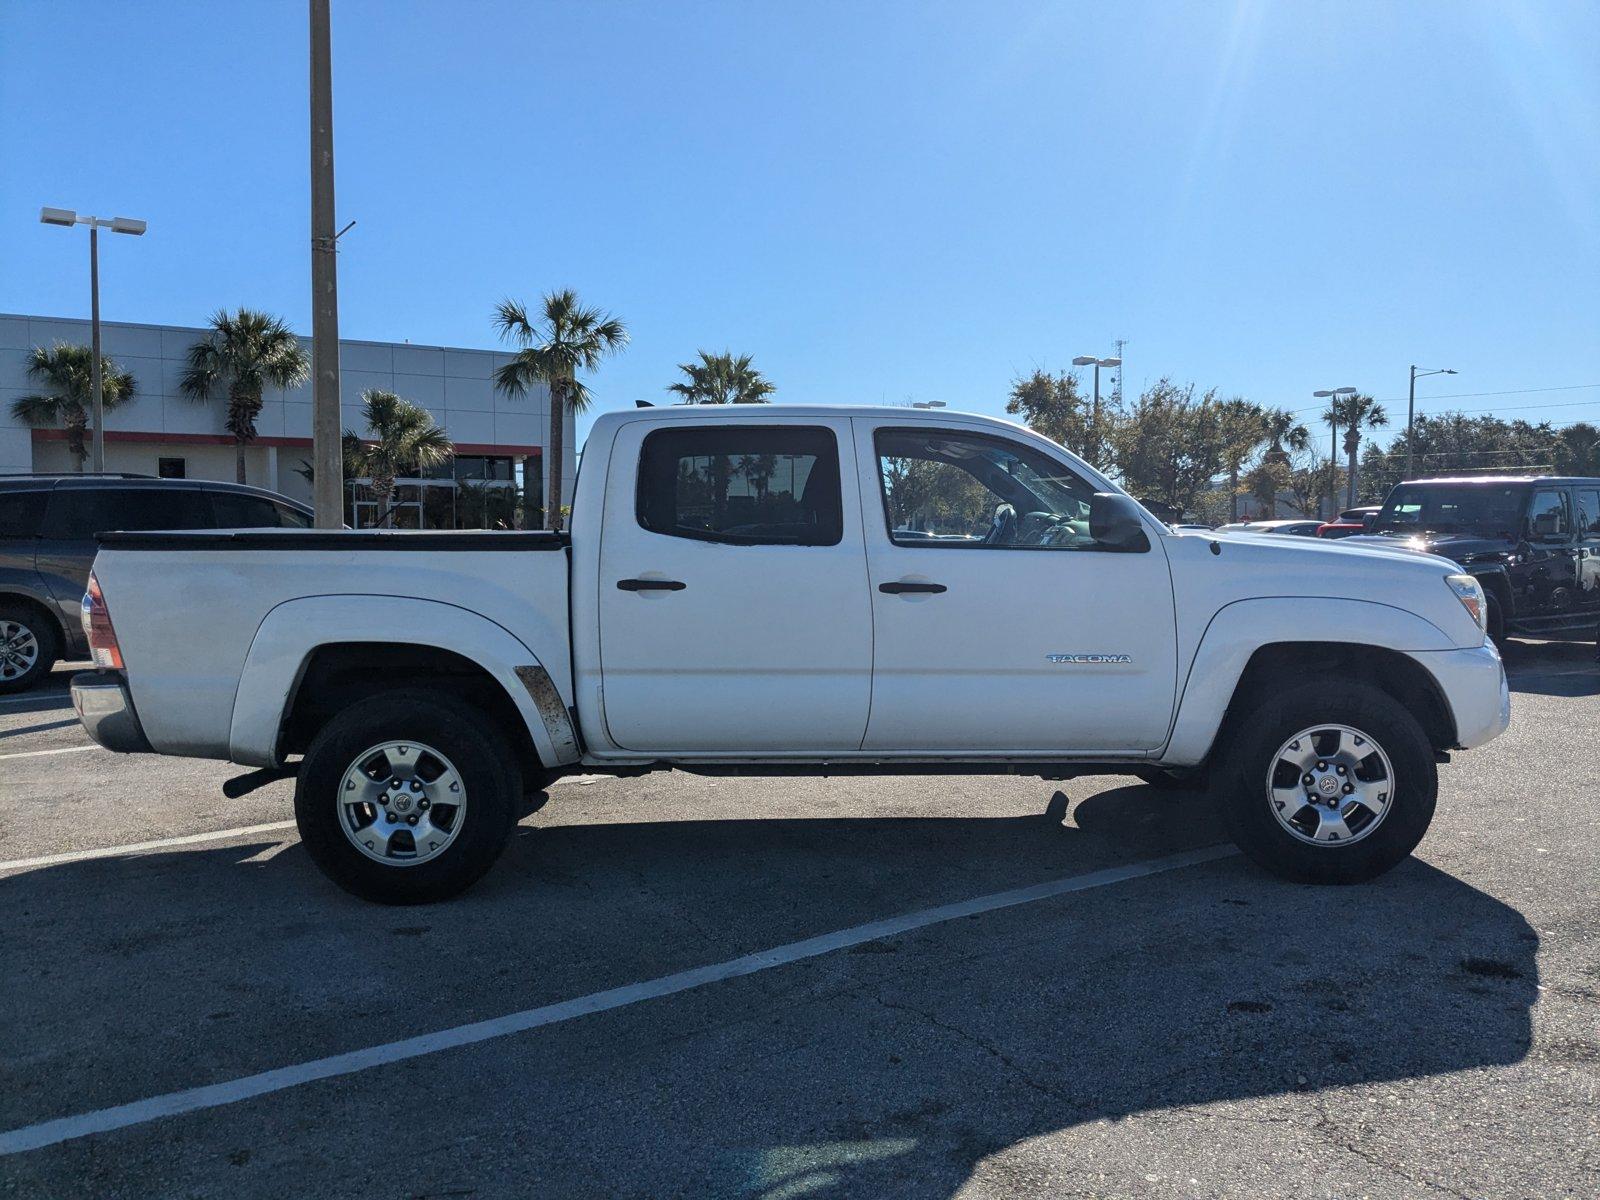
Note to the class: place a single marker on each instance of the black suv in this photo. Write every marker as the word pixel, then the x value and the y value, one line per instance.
pixel 47 543
pixel 1534 543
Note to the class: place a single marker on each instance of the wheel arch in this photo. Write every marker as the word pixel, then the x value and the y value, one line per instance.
pixel 312 656
pixel 47 615
pixel 1363 641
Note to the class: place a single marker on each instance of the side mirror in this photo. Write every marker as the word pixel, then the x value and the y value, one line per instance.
pixel 1114 523
pixel 1368 520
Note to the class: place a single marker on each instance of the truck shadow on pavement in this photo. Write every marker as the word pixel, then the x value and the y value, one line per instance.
pixel 1552 668
pixel 892 1069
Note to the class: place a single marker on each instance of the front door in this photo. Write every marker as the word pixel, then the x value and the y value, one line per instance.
pixel 1001 624
pixel 734 618
pixel 1550 572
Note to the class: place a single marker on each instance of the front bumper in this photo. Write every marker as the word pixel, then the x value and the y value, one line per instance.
pixel 1474 685
pixel 105 709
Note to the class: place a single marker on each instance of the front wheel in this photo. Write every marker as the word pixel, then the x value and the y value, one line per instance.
pixel 28 647
pixel 1328 783
pixel 407 797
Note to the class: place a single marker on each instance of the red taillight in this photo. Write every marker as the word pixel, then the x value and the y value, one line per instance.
pixel 102 637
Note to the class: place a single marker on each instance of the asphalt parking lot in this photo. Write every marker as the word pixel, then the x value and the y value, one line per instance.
pixel 1145 1029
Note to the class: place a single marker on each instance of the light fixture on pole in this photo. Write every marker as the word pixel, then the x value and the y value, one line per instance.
pixel 1086 360
pixel 927 404
pixel 1332 396
pixel 128 225
pixel 1411 413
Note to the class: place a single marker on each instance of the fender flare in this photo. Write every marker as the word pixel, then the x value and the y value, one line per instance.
pixel 290 633
pixel 1238 630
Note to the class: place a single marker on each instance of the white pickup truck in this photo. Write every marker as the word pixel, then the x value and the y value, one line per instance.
pixel 838 588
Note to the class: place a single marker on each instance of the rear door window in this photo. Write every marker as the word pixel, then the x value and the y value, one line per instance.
pixel 1589 512
pixel 750 485
pixel 21 514
pixel 77 514
pixel 240 510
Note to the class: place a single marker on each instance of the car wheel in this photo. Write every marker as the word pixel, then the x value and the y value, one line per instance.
pixel 1328 783
pixel 29 647
pixel 407 797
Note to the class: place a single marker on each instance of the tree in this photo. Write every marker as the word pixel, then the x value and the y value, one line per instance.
pixel 404 438
pixel 1285 436
pixel 1454 443
pixel 1265 480
pixel 1168 447
pixel 565 338
pixel 722 379
pixel 1052 405
pixel 66 373
pixel 1311 479
pixel 244 352
pixel 1354 412
pixel 1241 428
pixel 1577 450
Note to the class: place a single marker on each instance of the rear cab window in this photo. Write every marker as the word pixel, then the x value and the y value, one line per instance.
pixel 751 485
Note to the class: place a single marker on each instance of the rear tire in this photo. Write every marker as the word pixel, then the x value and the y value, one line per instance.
pixel 1310 835
pixel 449 747
pixel 29 646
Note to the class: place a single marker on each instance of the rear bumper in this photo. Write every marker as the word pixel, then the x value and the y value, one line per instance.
pixel 1474 685
pixel 105 709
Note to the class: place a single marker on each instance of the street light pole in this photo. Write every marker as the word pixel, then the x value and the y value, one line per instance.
pixel 128 225
pixel 1332 396
pixel 1084 360
pixel 327 480
pixel 1411 415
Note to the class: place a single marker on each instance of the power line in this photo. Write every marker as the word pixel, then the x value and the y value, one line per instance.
pixel 1571 387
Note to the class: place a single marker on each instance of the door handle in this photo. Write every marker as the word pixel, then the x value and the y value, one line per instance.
pixel 898 589
pixel 650 585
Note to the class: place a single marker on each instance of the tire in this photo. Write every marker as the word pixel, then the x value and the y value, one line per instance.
pixel 1407 781
pixel 29 646
pixel 446 731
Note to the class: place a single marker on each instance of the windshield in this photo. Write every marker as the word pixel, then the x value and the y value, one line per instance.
pixel 1488 510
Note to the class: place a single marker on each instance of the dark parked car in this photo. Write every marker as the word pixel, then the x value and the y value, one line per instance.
pixel 47 544
pixel 1534 543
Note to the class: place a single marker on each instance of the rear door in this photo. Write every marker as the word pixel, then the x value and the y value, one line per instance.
pixel 75 514
pixel 733 589
pixel 1000 624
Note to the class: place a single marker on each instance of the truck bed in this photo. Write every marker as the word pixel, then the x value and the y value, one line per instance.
pixel 188 606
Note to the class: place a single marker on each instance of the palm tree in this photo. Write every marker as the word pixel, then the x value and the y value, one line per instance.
pixel 1285 436
pixel 245 351
pixel 567 338
pixel 1242 426
pixel 67 375
pixel 1354 412
pixel 722 379
pixel 404 438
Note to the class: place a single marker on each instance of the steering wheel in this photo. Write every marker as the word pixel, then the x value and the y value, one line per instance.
pixel 1004 528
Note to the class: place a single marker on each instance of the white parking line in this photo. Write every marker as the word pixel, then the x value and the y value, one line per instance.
pixel 139 1112
pixel 38 753
pixel 48 860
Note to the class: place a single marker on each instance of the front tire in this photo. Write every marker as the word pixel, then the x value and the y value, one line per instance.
pixel 29 647
pixel 407 797
pixel 1328 783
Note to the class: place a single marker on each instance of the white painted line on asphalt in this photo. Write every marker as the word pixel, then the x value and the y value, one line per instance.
pixel 139 1112
pixel 39 753
pixel 217 835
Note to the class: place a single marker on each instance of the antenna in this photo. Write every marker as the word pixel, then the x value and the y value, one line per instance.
pixel 1121 358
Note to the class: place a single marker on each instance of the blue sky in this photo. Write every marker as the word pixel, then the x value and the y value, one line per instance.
pixel 880 202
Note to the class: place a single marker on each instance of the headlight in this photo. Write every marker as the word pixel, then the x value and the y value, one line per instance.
pixel 1470 592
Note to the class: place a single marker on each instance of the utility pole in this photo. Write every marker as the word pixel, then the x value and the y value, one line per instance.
pixel 327 488
pixel 1411 415
pixel 97 452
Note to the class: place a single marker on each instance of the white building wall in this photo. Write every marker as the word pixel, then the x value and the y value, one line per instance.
pixel 456 385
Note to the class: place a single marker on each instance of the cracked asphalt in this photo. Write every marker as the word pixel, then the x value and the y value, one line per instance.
pixel 1210 1031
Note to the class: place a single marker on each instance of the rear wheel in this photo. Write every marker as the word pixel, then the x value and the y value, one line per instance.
pixel 407 797
pixel 28 647
pixel 1328 783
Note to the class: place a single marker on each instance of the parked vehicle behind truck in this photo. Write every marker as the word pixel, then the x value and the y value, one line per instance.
pixel 1532 542
pixel 824 588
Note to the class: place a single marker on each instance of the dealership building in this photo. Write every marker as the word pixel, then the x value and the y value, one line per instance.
pixel 497 477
